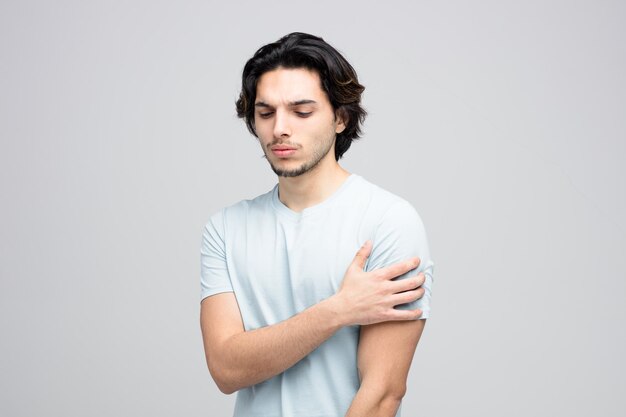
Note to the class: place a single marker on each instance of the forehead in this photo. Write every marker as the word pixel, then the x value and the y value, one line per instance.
pixel 285 85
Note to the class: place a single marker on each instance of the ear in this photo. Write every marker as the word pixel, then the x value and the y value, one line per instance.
pixel 341 120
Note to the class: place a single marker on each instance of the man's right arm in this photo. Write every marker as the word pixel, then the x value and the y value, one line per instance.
pixel 237 358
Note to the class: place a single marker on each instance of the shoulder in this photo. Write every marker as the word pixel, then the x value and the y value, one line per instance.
pixel 239 210
pixel 222 223
pixel 385 207
pixel 396 230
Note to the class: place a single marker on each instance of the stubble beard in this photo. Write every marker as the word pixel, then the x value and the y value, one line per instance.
pixel 318 155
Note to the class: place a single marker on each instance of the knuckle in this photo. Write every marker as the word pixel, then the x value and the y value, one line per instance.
pixel 379 274
pixel 415 282
pixel 405 315
pixel 396 272
pixel 401 268
pixel 408 284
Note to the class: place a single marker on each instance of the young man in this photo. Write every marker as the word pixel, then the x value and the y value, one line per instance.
pixel 291 318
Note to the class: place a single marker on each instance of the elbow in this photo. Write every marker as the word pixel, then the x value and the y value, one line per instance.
pixel 224 379
pixel 225 388
pixel 387 395
pixel 224 384
pixel 397 390
pixel 392 396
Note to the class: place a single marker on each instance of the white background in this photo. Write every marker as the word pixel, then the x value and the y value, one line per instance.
pixel 502 122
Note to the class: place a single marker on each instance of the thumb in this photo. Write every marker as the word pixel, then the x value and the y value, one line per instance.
pixel 362 254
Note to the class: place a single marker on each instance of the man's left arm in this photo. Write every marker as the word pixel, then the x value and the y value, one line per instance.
pixel 386 349
pixel 384 357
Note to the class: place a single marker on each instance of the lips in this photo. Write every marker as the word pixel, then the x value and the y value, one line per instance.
pixel 283 151
pixel 282 148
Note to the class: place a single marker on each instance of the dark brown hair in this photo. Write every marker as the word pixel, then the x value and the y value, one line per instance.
pixel 301 50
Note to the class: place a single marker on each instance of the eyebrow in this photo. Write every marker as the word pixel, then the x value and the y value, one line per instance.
pixel 290 104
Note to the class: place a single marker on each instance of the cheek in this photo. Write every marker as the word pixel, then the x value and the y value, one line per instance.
pixel 262 127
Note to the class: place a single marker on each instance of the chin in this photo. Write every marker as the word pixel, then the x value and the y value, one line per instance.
pixel 290 172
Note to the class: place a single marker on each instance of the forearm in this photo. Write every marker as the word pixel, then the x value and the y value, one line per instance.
pixel 371 401
pixel 254 356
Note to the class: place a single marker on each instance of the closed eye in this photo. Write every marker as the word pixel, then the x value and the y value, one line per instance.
pixel 304 114
pixel 265 115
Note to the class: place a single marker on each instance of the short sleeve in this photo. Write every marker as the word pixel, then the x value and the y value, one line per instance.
pixel 214 277
pixel 399 236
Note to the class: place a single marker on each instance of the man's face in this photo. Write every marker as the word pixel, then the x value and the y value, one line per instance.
pixel 294 121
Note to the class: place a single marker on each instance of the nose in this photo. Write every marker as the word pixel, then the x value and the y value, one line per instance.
pixel 281 125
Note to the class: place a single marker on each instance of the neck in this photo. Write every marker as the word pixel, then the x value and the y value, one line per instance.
pixel 312 187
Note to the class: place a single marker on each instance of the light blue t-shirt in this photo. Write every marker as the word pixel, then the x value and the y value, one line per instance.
pixel 279 262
